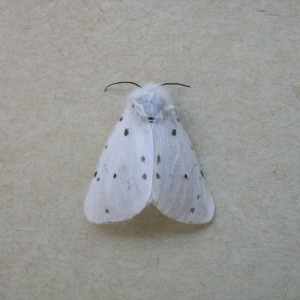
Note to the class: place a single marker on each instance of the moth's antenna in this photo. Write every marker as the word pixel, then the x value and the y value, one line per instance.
pixel 175 83
pixel 119 83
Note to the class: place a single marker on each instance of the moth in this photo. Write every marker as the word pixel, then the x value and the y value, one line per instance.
pixel 149 159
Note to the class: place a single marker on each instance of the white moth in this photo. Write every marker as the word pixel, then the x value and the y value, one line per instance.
pixel 149 158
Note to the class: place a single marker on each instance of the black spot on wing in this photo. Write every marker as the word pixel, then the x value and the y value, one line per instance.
pixel 158 159
pixel 126 131
pixel 95 174
pixel 174 132
pixel 144 176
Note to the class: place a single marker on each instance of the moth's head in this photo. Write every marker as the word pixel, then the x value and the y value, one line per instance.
pixel 151 100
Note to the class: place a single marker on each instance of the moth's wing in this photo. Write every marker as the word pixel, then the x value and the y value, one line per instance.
pixel 122 183
pixel 179 189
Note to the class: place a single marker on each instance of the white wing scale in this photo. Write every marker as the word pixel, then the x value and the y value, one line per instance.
pixel 122 183
pixel 179 190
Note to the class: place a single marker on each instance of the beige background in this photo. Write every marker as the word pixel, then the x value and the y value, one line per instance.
pixel 242 59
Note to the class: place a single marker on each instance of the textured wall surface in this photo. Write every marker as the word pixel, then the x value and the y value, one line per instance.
pixel 242 59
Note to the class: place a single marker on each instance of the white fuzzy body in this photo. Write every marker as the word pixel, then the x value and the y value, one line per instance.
pixel 149 159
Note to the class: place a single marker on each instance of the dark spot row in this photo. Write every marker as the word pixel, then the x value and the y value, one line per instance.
pixel 144 176
pixel 143 159
pixel 151 119
pixel 126 132
pixel 192 210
